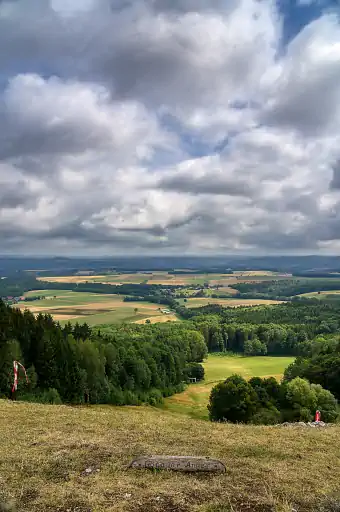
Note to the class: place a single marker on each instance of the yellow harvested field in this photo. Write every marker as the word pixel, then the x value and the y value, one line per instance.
pixel 255 273
pixel 70 279
pixel 90 307
pixel 160 278
pixel 158 319
pixel 232 303
pixel 58 318
pixel 99 306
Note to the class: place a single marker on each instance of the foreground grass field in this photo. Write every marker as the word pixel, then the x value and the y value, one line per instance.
pixel 194 400
pixel 92 308
pixel 45 451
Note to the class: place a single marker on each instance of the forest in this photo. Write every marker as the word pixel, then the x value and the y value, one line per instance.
pixel 129 365
pixel 134 364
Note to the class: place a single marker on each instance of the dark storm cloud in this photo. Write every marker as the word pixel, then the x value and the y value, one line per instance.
pixel 335 183
pixel 16 194
pixel 208 184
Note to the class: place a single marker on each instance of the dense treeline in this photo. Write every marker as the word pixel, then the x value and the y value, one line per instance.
pixel 129 364
pixel 317 315
pixel 284 329
pixel 321 367
pixel 271 339
pixel 252 340
pixel 266 401
pixel 16 284
pixel 286 288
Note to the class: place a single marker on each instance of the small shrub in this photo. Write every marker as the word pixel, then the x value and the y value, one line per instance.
pixel 194 370
pixel 50 396
pixel 116 396
pixel 130 398
pixel 155 397
pixel 270 416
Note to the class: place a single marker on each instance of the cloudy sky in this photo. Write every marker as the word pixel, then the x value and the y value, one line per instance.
pixel 169 126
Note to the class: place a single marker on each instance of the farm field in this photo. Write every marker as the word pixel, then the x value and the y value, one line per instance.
pixel 46 450
pixel 194 400
pixel 91 308
pixel 232 302
pixel 251 273
pixel 164 278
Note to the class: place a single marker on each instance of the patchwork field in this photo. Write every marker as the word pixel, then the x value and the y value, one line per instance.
pixel 194 400
pixel 251 273
pixel 165 278
pixel 232 303
pixel 91 308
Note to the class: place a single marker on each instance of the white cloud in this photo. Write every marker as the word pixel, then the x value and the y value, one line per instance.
pixel 153 126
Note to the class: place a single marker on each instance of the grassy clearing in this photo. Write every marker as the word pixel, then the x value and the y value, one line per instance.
pixel 59 298
pixel 204 301
pixel 194 400
pixel 91 308
pixel 45 451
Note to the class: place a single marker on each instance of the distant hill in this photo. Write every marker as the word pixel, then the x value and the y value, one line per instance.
pixel 59 458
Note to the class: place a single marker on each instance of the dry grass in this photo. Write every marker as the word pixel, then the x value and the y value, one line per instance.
pixel 94 308
pixel 158 319
pixel 59 317
pixel 231 303
pixel 70 279
pixel 46 449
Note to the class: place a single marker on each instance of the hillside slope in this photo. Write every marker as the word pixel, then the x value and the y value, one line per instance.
pixel 45 451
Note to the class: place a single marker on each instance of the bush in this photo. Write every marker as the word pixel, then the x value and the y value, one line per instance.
pixel 155 397
pixel 255 347
pixel 233 400
pixel 266 402
pixel 326 403
pixel 130 398
pixel 194 370
pixel 270 416
pixel 306 398
pixel 50 396
pixel 116 396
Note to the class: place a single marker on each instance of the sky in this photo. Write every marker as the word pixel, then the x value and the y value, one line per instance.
pixel 169 127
